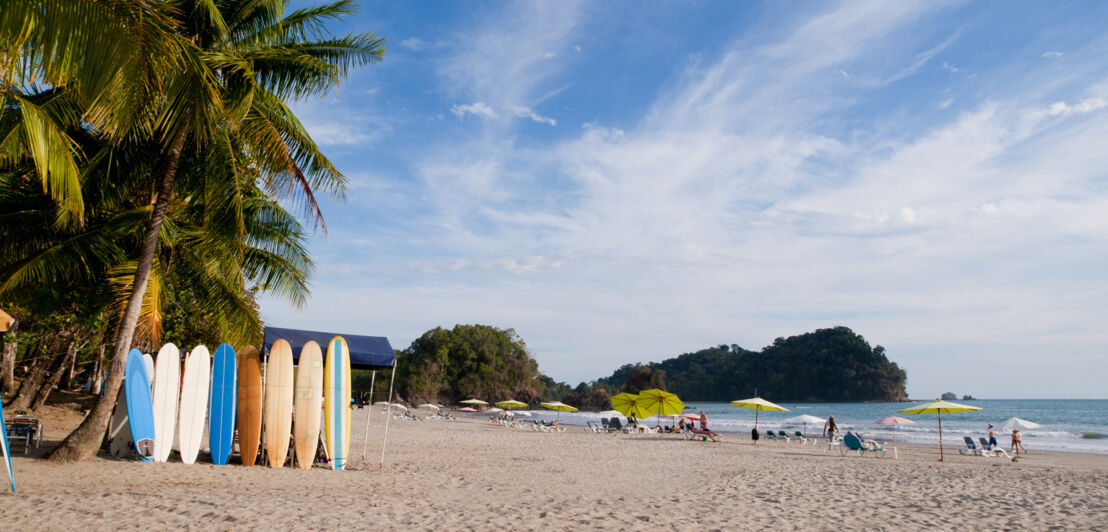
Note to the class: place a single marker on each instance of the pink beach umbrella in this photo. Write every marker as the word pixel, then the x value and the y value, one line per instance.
pixel 467 409
pixel 894 421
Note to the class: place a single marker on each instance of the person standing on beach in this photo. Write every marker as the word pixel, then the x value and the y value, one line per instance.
pixel 830 428
pixel 992 437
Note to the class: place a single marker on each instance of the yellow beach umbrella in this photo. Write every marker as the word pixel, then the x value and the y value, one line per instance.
pixel 560 407
pixel 759 404
pixel 6 321
pixel 939 407
pixel 511 403
pixel 625 404
pixel 660 402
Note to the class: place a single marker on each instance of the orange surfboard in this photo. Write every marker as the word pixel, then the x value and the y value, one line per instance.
pixel 249 407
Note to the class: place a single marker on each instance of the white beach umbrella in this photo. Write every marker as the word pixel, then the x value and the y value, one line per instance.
pixel 494 410
pixel 429 406
pixel 609 413
pixel 399 407
pixel 1017 423
pixel 804 421
pixel 524 413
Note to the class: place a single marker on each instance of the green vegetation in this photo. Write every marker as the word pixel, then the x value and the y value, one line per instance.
pixel 826 365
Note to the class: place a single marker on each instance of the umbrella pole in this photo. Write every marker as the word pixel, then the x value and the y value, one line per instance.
pixel 940 435
pixel 369 413
pixel 385 441
pixel 755 423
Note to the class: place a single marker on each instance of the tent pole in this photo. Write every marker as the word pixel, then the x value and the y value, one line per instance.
pixel 365 441
pixel 264 354
pixel 387 416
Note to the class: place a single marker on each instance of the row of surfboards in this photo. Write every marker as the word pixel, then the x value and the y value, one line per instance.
pixel 158 406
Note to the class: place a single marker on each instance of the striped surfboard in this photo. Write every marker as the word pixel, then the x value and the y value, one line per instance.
pixel 336 402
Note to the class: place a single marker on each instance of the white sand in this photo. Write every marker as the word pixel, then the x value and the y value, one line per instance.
pixel 472 475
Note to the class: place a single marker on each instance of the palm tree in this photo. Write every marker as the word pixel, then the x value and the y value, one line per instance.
pixel 218 87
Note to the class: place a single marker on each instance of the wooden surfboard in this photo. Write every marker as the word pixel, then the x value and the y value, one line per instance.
pixel 221 418
pixel 278 403
pixel 249 405
pixel 119 435
pixel 308 404
pixel 336 402
pixel 140 407
pixel 167 393
pixel 194 402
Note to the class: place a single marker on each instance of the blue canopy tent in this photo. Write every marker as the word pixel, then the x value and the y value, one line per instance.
pixel 366 352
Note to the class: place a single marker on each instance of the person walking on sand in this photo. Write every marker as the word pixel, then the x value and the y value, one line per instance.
pixel 1017 442
pixel 992 437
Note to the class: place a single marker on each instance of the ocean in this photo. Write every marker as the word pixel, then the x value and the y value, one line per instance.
pixel 1068 424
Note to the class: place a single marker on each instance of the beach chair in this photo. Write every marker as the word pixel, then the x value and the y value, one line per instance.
pixel 800 437
pixel 993 450
pixel 615 425
pixel 852 442
pixel 781 434
pixel 604 424
pixel 26 428
pixel 970 447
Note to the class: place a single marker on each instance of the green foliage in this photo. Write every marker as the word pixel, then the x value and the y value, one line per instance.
pixel 826 365
pixel 468 361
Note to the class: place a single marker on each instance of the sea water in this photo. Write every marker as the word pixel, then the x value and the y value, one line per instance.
pixel 1068 424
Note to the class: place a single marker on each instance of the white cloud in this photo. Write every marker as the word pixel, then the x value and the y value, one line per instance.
pixel 413 43
pixel 478 109
pixel 1051 55
pixel 524 112
pixel 951 68
pixel 1085 106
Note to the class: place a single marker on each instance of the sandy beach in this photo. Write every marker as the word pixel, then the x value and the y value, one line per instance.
pixel 473 475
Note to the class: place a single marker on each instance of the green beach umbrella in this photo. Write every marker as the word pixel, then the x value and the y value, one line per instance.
pixel 758 405
pixel 511 403
pixel 660 402
pixel 939 407
pixel 560 407
pixel 625 404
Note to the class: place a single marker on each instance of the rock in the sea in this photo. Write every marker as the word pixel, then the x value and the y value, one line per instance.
pixel 949 396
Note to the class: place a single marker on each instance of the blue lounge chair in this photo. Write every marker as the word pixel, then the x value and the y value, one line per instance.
pixel 993 450
pixel 970 448
pixel 852 442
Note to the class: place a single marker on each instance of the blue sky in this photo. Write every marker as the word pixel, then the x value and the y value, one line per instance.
pixel 628 181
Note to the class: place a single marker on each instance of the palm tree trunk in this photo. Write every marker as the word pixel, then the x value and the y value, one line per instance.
pixel 98 373
pixel 69 366
pixel 7 364
pixel 85 440
pixel 31 383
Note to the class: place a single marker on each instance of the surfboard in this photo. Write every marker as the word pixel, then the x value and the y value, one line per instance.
pixel 148 360
pixel 167 394
pixel 221 421
pixel 7 450
pixel 308 404
pixel 336 402
pixel 249 417
pixel 140 406
pixel 119 435
pixel 194 402
pixel 278 403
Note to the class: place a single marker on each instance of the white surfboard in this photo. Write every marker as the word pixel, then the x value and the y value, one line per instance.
pixel 278 403
pixel 119 435
pixel 194 402
pixel 167 389
pixel 146 357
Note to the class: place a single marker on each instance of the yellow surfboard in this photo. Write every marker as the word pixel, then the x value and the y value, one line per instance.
pixel 336 402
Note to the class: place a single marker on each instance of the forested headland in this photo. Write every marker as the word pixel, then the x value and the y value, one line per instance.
pixel 493 364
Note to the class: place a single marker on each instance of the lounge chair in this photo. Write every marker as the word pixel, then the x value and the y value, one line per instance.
pixel 770 435
pixel 615 425
pixel 852 442
pixel 971 448
pixel 26 428
pixel 800 437
pixel 781 434
pixel 993 450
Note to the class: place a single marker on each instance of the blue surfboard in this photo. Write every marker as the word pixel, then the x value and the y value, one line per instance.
pixel 7 450
pixel 221 417
pixel 140 406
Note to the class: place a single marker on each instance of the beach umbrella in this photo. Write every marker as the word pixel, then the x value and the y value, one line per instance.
pixel 398 406
pixel 894 421
pixel 511 403
pixel 467 409
pixel 625 404
pixel 608 413
pixel 429 406
pixel 559 407
pixel 660 402
pixel 6 322
pixel 473 402
pixel 939 407
pixel 523 413
pixel 693 416
pixel 494 410
pixel 804 421
pixel 758 404
pixel 1017 423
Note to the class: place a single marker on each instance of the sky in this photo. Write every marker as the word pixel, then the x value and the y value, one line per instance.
pixel 624 182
